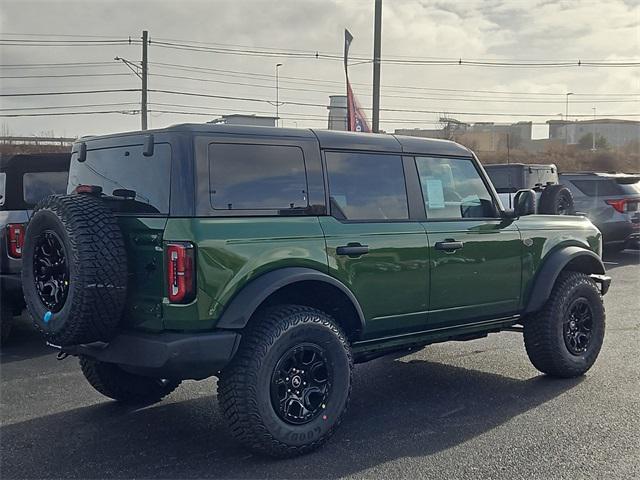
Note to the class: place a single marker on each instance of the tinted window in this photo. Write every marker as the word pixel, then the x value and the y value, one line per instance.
pixel 148 179
pixel 37 185
pixel 3 191
pixel 365 186
pixel 453 188
pixel 257 177
pixel 596 188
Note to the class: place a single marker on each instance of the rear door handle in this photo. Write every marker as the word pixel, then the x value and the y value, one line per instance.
pixel 449 245
pixel 353 250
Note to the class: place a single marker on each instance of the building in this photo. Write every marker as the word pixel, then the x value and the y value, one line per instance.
pixel 618 133
pixel 244 119
pixel 337 112
pixel 480 136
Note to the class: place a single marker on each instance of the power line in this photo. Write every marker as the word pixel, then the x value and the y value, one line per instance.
pixel 42 94
pixel 295 79
pixel 53 114
pixel 78 75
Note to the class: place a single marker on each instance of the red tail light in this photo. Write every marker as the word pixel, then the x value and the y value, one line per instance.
pixel 181 278
pixel 619 205
pixel 15 239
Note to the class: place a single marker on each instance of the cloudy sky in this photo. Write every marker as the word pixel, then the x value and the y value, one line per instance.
pixel 230 49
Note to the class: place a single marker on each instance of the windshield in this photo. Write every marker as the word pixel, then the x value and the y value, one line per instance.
pixel 132 182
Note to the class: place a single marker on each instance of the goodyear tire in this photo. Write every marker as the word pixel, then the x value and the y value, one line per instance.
pixel 114 382
pixel 74 274
pixel 565 337
pixel 556 200
pixel 288 386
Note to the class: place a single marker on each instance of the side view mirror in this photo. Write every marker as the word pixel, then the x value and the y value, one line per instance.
pixel 524 203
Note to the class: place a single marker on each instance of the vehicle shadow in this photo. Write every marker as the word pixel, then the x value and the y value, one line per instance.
pixel 25 342
pixel 398 409
pixel 624 258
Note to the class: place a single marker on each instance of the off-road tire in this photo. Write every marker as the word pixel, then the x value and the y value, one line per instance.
pixel 556 200
pixel 114 382
pixel 95 251
pixel 244 386
pixel 6 321
pixel 543 332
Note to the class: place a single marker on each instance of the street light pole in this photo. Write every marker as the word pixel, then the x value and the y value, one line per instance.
pixel 566 120
pixel 377 34
pixel 278 65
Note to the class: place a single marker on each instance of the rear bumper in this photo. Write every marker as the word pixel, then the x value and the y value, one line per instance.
pixel 165 355
pixel 618 232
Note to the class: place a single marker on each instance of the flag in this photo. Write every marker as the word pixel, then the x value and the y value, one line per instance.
pixel 356 119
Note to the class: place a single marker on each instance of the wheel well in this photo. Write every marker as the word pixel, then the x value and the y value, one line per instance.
pixel 320 295
pixel 584 264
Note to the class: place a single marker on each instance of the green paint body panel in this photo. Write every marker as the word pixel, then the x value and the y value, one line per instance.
pixel 406 287
pixel 391 282
pixel 482 279
pixel 233 251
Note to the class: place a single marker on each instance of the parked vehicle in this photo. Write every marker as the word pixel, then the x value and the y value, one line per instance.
pixel 277 258
pixel 24 180
pixel 611 201
pixel 552 198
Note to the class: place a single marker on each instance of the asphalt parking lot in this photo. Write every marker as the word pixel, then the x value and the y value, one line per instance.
pixel 458 410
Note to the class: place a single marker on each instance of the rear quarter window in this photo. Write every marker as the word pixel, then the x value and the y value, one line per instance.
pixel 38 185
pixel 257 177
pixel 598 188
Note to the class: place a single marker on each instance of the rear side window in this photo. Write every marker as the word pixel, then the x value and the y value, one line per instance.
pixel 597 188
pixel 257 177
pixel 131 182
pixel 366 186
pixel 38 185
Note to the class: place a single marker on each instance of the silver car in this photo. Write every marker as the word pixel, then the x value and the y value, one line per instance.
pixel 612 203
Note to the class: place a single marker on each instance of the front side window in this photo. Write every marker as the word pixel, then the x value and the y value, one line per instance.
pixel 38 185
pixel 257 177
pixel 452 188
pixel 366 186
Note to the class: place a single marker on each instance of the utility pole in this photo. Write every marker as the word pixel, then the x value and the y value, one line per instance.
pixel 143 110
pixel 377 37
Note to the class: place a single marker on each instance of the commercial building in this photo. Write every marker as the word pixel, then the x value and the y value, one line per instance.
pixel 617 133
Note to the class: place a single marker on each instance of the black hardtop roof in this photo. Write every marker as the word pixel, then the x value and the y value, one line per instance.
pixel 329 139
pixel 30 162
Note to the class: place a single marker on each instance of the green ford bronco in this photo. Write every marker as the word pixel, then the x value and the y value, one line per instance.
pixel 277 258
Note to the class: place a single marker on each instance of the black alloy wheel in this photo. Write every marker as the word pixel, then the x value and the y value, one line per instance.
pixel 51 270
pixel 301 384
pixel 578 326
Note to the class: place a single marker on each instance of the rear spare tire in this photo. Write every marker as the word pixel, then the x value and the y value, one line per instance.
pixel 556 200
pixel 74 274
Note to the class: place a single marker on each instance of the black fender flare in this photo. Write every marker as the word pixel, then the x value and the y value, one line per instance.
pixel 582 259
pixel 248 299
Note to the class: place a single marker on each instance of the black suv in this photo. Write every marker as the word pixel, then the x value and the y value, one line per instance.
pixel 24 180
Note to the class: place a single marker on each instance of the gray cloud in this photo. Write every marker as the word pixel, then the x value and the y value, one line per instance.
pixel 566 30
